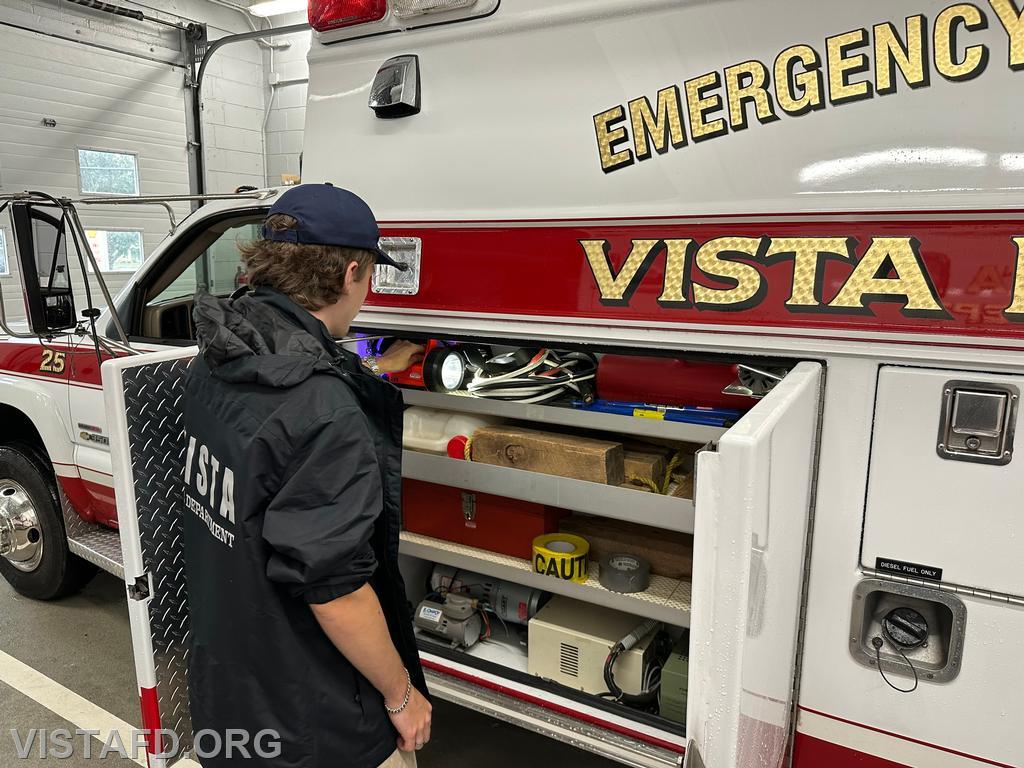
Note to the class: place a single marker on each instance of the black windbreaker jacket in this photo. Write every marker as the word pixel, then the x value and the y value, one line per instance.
pixel 292 483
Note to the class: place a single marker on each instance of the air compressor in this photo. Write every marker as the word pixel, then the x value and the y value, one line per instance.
pixel 459 603
pixel 456 618
pixel 510 602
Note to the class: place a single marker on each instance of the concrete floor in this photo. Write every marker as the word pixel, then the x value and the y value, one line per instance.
pixel 83 643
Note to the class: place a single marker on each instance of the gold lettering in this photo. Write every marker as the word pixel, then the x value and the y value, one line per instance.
pixel 975 56
pixel 608 138
pixel 747 280
pixel 806 288
pixel 754 89
pixel 674 287
pixel 1015 311
pixel 616 290
pixel 841 66
pixel 890 53
pixel 869 281
pixel 698 105
pixel 657 130
pixel 787 80
pixel 1013 23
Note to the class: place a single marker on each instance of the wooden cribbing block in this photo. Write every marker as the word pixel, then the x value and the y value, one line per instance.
pixel 582 458
pixel 647 466
pixel 670 553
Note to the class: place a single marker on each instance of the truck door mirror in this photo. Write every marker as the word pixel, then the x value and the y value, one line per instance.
pixel 41 241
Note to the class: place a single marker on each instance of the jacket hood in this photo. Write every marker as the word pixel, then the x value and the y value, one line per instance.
pixel 261 338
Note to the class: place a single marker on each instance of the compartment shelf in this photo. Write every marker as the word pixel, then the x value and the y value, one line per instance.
pixel 669 512
pixel 666 600
pixel 566 417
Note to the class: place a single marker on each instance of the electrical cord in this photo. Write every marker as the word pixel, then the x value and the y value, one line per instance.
pixel 490 608
pixel 650 693
pixel 547 375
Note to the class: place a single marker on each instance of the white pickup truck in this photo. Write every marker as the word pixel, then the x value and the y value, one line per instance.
pixel 56 483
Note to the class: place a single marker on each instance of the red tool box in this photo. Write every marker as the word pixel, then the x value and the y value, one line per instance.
pixel 493 523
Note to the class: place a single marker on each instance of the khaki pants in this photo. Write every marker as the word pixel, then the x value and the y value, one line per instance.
pixel 400 760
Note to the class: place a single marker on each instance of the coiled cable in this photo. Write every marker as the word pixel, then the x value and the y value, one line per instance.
pixel 547 375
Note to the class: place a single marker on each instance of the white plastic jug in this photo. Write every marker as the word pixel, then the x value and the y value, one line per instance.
pixel 429 430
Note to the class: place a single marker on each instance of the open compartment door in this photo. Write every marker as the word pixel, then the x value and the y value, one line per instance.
pixel 143 399
pixel 753 497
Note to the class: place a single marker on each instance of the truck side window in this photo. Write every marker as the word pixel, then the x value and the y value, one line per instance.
pixel 217 269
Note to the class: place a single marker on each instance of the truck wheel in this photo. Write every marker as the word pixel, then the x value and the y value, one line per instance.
pixel 34 555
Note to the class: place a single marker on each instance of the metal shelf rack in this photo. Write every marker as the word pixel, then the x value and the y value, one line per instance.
pixel 566 417
pixel 666 600
pixel 669 512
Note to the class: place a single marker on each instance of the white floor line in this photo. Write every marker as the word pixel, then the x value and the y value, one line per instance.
pixel 67 704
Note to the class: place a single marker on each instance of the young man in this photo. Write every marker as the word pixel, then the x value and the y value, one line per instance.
pixel 300 627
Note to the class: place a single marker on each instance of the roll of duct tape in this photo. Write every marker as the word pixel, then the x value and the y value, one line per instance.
pixel 562 555
pixel 624 573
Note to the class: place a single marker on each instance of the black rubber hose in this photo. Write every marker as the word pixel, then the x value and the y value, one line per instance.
pixel 643 699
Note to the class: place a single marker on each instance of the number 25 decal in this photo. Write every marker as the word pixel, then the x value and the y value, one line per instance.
pixel 53 362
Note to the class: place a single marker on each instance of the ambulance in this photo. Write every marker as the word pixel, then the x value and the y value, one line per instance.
pixel 805 213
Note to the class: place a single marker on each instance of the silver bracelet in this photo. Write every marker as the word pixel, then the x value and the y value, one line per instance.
pixel 405 702
pixel 373 363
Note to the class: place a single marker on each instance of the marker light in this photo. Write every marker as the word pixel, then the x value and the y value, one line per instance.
pixel 406 250
pixel 403 9
pixel 325 15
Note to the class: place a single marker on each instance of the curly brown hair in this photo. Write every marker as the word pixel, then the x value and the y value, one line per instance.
pixel 313 276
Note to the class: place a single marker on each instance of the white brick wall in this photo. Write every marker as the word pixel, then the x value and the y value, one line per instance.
pixel 288 115
pixel 236 93
pixel 236 90
pixel 234 100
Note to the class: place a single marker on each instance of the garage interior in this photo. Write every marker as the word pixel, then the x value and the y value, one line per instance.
pixel 97 103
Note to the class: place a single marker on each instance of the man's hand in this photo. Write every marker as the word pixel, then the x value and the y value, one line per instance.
pixel 400 355
pixel 355 624
pixel 413 722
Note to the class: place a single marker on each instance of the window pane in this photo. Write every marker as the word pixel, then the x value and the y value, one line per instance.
pixel 217 270
pixel 115 250
pixel 110 173
pixel 4 268
pixel 184 285
pixel 225 262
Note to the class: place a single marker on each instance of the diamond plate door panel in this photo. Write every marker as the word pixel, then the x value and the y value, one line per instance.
pixel 153 401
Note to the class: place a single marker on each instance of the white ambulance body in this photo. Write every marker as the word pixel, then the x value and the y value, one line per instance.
pixel 827 190
pixel 541 127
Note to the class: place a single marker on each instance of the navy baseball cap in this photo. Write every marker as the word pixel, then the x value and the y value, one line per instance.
pixel 329 215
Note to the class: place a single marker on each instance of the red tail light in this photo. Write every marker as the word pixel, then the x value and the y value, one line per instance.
pixel 334 14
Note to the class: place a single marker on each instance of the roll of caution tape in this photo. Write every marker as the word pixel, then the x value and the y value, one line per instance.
pixel 624 573
pixel 561 555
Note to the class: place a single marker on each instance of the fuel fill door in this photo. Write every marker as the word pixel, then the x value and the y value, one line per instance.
pixel 753 497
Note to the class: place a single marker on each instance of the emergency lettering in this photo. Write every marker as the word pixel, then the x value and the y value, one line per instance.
pixel 847 67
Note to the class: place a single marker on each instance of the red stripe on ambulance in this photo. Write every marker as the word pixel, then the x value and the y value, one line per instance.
pixel 911 276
